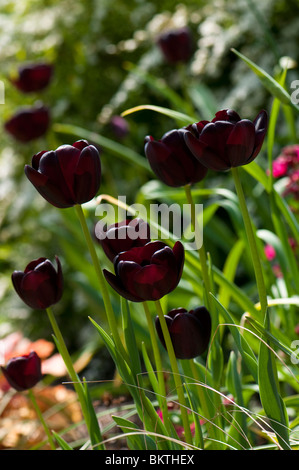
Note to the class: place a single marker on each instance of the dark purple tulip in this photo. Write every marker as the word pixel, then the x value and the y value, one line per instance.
pixel 68 175
pixel 23 372
pixel 189 331
pixel 40 285
pixel 227 141
pixel 28 124
pixel 148 272
pixel 34 77
pixel 171 160
pixel 122 236
pixel 176 45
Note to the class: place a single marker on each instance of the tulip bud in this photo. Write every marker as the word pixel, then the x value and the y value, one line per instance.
pixel 172 161
pixel 67 176
pixel 28 124
pixel 227 141
pixel 40 285
pixel 189 331
pixel 148 272
pixel 122 236
pixel 176 45
pixel 23 372
pixel 32 78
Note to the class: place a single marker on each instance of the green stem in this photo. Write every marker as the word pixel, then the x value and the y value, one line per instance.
pixel 201 249
pixel 158 361
pixel 41 418
pixel 176 373
pixel 96 436
pixel 252 242
pixel 103 287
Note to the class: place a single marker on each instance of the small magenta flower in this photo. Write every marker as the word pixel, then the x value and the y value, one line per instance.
pixel 40 285
pixel 119 127
pixel 33 77
pixel 270 252
pixel 148 272
pixel 172 161
pixel 227 141
pixel 28 124
pixel 176 45
pixel 189 331
pixel 280 167
pixel 69 175
pixel 23 372
pixel 122 236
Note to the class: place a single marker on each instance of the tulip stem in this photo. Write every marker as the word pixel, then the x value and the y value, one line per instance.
pixel 96 434
pixel 252 242
pixel 104 291
pixel 175 371
pixel 158 362
pixel 41 418
pixel 201 249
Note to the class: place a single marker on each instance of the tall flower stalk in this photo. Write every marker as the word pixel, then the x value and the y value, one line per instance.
pixel 176 373
pixel 252 242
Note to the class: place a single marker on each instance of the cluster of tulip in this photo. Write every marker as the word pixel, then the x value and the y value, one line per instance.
pixel 144 270
pixel 31 122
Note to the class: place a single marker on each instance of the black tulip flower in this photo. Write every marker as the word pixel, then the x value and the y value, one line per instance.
pixel 227 141
pixel 33 77
pixel 67 176
pixel 148 272
pixel 122 236
pixel 189 331
pixel 40 285
pixel 172 161
pixel 29 123
pixel 176 45
pixel 23 372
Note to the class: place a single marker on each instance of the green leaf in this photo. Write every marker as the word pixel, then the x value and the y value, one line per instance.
pixel 181 118
pixel 271 400
pixel 63 444
pixel 121 151
pixel 242 345
pixel 269 82
pixel 238 429
pixel 135 441
pixel 93 424
pixel 130 338
pixel 229 270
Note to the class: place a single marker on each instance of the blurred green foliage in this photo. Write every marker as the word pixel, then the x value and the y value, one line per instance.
pixel 94 46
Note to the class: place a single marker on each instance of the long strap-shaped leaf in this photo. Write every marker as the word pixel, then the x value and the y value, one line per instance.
pixel 271 400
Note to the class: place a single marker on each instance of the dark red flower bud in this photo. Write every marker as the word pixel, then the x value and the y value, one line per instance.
pixel 68 175
pixel 23 372
pixel 176 45
pixel 40 285
pixel 28 124
pixel 171 160
pixel 227 141
pixel 189 331
pixel 34 77
pixel 122 236
pixel 148 272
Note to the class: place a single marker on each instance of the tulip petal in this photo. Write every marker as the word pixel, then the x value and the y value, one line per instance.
pixel 47 190
pixel 87 177
pixel 116 284
pixel 240 143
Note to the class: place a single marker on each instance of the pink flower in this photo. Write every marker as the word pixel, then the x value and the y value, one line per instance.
pixel 270 252
pixel 280 167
